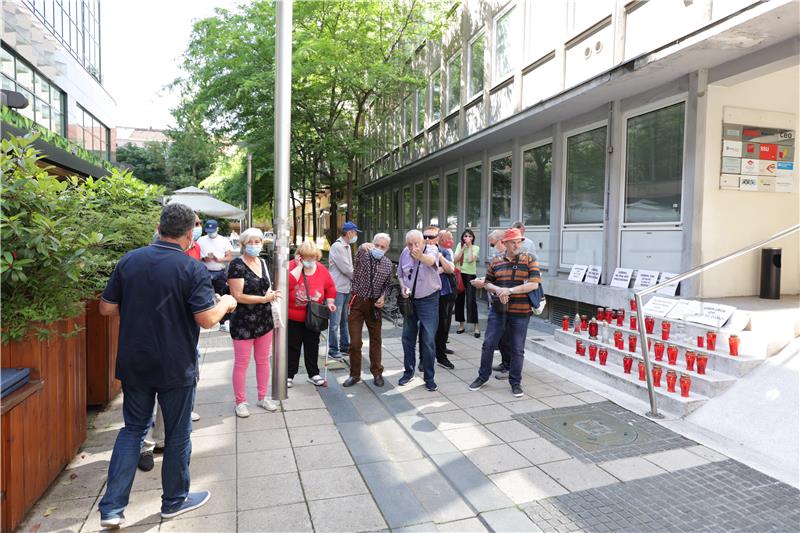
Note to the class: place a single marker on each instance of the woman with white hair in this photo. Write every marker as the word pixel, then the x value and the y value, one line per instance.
pixel 251 323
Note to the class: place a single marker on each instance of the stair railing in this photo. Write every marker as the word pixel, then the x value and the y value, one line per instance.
pixel 677 279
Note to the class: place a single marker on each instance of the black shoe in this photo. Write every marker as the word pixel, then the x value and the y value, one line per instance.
pixel 146 461
pixel 420 368
pixel 460 331
pixel 477 384
pixel 403 381
pixel 516 390
pixel 477 335
pixel 350 381
pixel 431 387
pixel 378 381
pixel 446 363
pixel 500 368
pixel 448 351
pixel 158 449
pixel 501 375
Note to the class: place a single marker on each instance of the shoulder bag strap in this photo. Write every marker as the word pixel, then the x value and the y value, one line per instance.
pixel 414 287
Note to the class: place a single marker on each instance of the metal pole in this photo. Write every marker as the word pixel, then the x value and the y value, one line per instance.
pixel 646 355
pixel 249 189
pixel 283 96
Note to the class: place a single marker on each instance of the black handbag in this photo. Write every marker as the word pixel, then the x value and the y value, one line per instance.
pixel 406 305
pixel 317 314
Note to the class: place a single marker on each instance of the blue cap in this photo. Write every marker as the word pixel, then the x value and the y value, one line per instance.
pixel 350 226
pixel 210 226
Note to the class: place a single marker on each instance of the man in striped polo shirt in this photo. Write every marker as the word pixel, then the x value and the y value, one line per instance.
pixel 509 279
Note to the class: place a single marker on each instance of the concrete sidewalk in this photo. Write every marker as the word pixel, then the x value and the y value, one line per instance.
pixel 405 459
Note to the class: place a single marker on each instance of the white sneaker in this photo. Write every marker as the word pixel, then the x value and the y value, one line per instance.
pixel 195 417
pixel 316 380
pixel 242 411
pixel 112 522
pixel 269 405
pixel 289 383
pixel 225 326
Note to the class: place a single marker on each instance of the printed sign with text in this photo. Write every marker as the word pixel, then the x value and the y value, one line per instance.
pixel 622 277
pixel 593 274
pixel 645 278
pixel 577 272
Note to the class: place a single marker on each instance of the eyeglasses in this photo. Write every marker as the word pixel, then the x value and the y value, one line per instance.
pixel 429 237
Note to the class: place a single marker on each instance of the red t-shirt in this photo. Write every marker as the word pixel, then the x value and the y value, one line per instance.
pixel 194 251
pixel 320 288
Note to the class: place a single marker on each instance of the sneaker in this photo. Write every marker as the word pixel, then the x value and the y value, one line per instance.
pixel 477 384
pixel 448 351
pixel 146 461
pixel 195 417
pixel 316 380
pixel 242 411
pixel 192 502
pixel 225 326
pixel 446 363
pixel 269 405
pixel 516 390
pixel 289 383
pixel 431 387
pixel 503 374
pixel 500 368
pixel 336 356
pixel 404 380
pixel 112 522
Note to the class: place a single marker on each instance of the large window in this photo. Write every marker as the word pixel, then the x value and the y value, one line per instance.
pixel 454 83
pixel 451 182
pixel 407 207
pixel 500 187
pixel 537 169
pixel 473 183
pixel 45 100
pixel 387 213
pixel 434 201
pixel 654 166
pixel 586 166
pixel 435 89
pixel 396 210
pixel 475 66
pixel 504 45
pixel 419 205
pixel 90 133
pixel 76 23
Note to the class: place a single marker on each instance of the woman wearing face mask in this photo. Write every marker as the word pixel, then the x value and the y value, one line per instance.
pixel 320 288
pixel 251 323
pixel 466 256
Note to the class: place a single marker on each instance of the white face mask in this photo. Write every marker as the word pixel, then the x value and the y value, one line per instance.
pixel 353 239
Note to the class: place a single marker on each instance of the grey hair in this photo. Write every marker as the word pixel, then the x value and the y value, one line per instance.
pixel 176 221
pixel 381 236
pixel 250 233
pixel 496 235
pixel 519 225
pixel 413 234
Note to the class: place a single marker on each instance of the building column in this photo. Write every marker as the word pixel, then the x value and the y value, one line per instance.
pixel 614 197
pixel 557 198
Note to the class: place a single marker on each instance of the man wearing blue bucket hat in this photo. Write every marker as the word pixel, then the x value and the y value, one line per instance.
pixel 340 264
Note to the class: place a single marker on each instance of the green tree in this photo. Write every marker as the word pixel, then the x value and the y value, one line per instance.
pixel 149 162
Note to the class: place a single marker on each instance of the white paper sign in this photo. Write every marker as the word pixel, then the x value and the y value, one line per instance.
pixel 622 277
pixel 593 274
pixel 645 278
pixel 658 306
pixel 577 272
pixel 685 308
pixel 714 315
pixel 732 148
pixel 670 289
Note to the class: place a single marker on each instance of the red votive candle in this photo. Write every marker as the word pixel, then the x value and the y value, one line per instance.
pixel 633 305
pixel 711 340
pixel 658 348
pixel 584 322
pixel 627 364
pixel 592 352
pixel 701 341
pixel 665 326
pixel 642 373
pixel 702 361
pixel 649 324
pixel 603 356
pixel 672 354
pixel 619 344
pixel 690 358
pixel 672 378
pixel 686 384
pixel 733 345
pixel 657 376
pixel 565 323
pixel 609 314
pixel 633 322
pixel 601 313
pixel 578 346
pixel 620 316
pixel 594 328
pixel 632 343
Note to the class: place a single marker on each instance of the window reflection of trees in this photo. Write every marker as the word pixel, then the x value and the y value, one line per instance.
pixel 586 164
pixel 538 173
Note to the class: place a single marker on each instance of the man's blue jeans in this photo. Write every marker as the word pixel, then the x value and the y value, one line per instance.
pixel 137 412
pixel 510 330
pixel 338 332
pixel 424 321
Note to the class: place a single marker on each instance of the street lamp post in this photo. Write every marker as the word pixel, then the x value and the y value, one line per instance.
pixel 283 95
pixel 249 189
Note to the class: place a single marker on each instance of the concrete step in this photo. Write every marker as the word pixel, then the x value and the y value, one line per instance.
pixel 718 360
pixel 709 384
pixel 613 376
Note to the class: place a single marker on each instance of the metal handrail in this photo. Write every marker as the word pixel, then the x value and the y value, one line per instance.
pixel 677 279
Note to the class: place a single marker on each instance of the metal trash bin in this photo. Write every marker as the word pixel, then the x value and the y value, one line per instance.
pixel 771 273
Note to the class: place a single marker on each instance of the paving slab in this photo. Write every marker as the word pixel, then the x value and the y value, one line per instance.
pixel 425 435
pixel 470 437
pixel 349 513
pixel 677 459
pixel 322 456
pixel 527 484
pixel 214 445
pixel 361 442
pixel 527 406
pixel 486 414
pixel 451 420
pixel 269 491
pixel 259 421
pixel 631 468
pixel 707 453
pixel 263 463
pixel 224 522
pixel 468 525
pixel 471 399
pixel 511 431
pixel 442 502
pixel 313 435
pixel 308 417
pixel 470 482
pixel 399 505
pixel 563 400
pixel 265 439
pixel 576 475
pixel 494 459
pixel 508 520
pixel 144 508
pixel 539 451
pixel 63 516
pixel 293 517
pixel 332 483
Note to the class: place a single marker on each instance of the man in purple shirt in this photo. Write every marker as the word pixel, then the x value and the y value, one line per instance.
pixel 418 273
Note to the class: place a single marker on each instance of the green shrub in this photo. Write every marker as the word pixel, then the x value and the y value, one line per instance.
pixel 61 237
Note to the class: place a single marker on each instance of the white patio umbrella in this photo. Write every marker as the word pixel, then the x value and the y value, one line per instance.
pixel 202 201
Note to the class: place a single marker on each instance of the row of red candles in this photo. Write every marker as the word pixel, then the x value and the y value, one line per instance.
pixel 709 339
pixel 685 381
pixel 672 352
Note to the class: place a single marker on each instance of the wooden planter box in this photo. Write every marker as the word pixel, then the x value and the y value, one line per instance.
pixel 41 433
pixel 102 337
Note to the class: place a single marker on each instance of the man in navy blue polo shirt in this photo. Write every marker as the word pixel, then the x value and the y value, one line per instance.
pixel 162 296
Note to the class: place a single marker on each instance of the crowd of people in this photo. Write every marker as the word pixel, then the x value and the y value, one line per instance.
pixel 164 293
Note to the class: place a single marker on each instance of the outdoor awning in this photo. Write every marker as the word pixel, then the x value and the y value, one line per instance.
pixel 202 201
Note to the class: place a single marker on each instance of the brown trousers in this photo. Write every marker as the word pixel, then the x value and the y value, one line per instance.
pixel 363 310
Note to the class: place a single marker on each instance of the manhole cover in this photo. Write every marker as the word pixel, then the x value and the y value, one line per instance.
pixel 593 431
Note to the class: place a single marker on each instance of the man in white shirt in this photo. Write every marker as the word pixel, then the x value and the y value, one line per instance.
pixel 215 252
pixel 528 246
pixel 340 265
